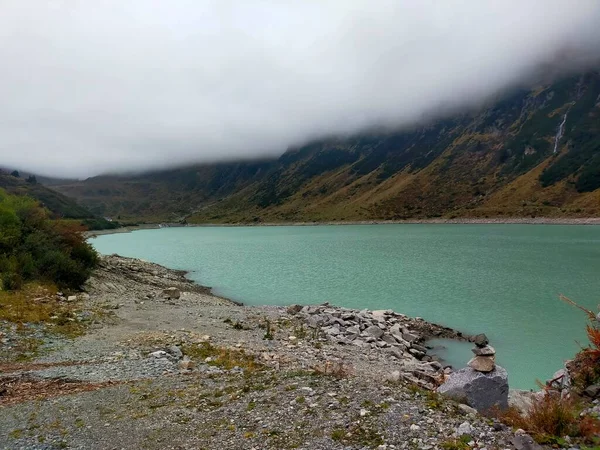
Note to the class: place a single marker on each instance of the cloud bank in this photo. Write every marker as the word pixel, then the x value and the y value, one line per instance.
pixel 89 87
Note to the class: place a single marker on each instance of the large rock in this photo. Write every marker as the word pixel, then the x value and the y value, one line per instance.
pixel 389 339
pixel 395 352
pixel 592 391
pixel 521 400
pixel 395 329
pixel 488 350
pixel 480 340
pixel 464 428
pixel 482 363
pixel 525 442
pixel 380 314
pixel 409 337
pixel 315 321
pixel 171 293
pixel 294 309
pixel 353 330
pixel 482 391
pixel 175 351
pixel 374 331
pixel 560 380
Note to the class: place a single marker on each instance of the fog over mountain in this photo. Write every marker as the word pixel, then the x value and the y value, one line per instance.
pixel 120 85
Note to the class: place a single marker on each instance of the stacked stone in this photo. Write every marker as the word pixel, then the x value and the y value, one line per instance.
pixel 483 385
pixel 485 355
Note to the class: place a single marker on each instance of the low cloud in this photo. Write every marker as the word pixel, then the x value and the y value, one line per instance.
pixel 117 85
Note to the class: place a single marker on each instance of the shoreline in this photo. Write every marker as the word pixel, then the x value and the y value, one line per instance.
pixel 429 330
pixel 159 346
pixel 440 221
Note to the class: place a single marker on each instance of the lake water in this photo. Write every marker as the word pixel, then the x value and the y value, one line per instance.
pixel 503 280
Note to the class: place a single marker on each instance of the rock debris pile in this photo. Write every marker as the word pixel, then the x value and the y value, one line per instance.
pixel 401 337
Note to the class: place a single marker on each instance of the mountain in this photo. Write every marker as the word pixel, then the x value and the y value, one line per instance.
pixel 532 153
pixel 164 196
pixel 60 206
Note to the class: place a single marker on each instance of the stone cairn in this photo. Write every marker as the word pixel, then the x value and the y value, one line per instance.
pixel 482 385
pixel 485 355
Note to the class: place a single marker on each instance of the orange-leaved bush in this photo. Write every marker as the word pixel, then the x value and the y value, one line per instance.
pixel 585 367
pixel 553 416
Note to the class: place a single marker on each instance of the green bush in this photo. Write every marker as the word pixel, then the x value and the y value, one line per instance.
pixel 34 247
pixel 11 281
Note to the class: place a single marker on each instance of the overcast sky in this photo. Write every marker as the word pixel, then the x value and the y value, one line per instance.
pixel 88 86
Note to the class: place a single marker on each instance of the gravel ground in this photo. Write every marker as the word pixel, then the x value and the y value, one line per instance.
pixel 153 374
pixel 270 411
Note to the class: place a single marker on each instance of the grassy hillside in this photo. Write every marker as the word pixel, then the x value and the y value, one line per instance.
pixel 163 196
pixel 532 153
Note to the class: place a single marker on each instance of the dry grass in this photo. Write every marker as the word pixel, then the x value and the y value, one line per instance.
pixel 18 389
pixel 552 417
pixel 35 303
pixel 224 358
pixel 585 367
pixel 359 433
pixel 38 305
pixel 588 313
pixel 461 443
pixel 25 366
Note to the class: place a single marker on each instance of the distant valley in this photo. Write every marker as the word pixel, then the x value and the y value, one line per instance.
pixel 58 205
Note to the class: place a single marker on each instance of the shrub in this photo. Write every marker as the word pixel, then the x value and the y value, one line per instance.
pixel 11 281
pixel 34 247
pixel 552 417
pixel 585 367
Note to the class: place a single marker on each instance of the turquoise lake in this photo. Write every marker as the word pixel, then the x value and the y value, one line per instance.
pixel 503 280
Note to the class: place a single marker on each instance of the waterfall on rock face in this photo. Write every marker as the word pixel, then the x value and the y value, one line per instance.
pixel 560 132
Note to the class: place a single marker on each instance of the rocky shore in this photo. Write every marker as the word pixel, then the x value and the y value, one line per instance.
pixel 440 220
pixel 165 364
pixel 458 220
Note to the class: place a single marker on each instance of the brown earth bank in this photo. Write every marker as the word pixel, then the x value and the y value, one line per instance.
pixel 165 364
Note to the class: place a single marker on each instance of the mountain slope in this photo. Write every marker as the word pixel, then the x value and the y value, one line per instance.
pixel 534 152
pixel 162 196
pixel 60 206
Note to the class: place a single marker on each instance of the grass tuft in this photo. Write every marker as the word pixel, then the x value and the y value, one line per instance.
pixel 224 358
pixel 461 443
